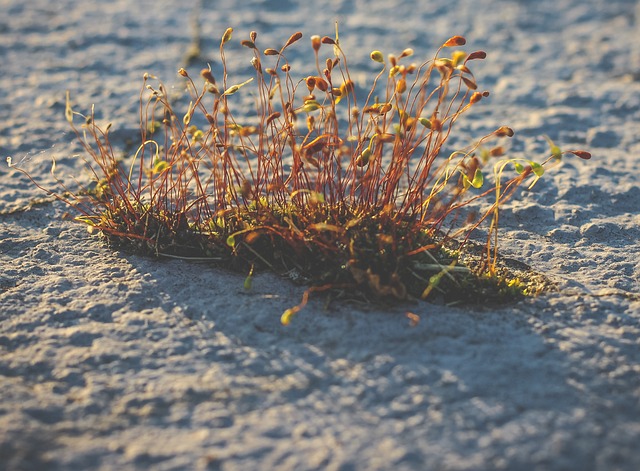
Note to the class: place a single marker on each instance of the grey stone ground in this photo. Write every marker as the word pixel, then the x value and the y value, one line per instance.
pixel 112 361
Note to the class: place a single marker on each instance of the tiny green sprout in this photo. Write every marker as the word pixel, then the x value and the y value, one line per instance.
pixel 187 116
pixel 226 37
pixel 160 166
pixel 68 112
pixel 556 152
pixel 153 127
pixel 363 159
pixel 406 53
pixel 310 105
pixel 434 281
pixel 534 167
pixel 425 122
pixel 377 56
pixel 537 169
pixel 234 88
pixel 444 62
pixel 288 315
pixel 234 128
pixel 248 281
pixel 478 179
pixel 458 57
pixel 316 197
pixel 260 202
pixel 197 136
pixel 53 167
pixel 515 282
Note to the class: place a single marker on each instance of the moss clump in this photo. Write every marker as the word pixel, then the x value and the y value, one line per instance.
pixel 348 188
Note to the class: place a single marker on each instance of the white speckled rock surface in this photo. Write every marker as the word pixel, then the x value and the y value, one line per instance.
pixel 112 361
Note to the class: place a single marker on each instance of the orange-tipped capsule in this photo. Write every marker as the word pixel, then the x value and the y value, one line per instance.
pixel 469 83
pixel 386 137
pixel 294 37
pixel 455 41
pixel 311 83
pixel 245 189
pixel 316 42
pixel 406 53
pixel 321 84
pixel 347 87
pixel 475 97
pixel 504 131
pixel 363 159
pixel 272 116
pixel 583 154
pixel 497 151
pixel 476 55
pixel 385 108
pixel 208 76
pixel 329 64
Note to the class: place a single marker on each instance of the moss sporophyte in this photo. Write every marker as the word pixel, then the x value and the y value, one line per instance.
pixel 346 188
